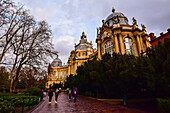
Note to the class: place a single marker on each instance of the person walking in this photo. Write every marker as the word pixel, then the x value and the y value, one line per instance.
pixel 50 94
pixel 69 93
pixel 75 94
pixel 56 95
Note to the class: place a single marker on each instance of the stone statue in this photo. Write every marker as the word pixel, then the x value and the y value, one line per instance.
pixel 143 27
pixel 104 25
pixel 134 21
pixel 118 20
pixel 83 35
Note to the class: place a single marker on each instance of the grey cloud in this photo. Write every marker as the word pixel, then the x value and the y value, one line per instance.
pixel 72 17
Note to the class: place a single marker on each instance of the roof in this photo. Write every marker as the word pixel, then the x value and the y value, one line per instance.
pixel 56 62
pixel 116 17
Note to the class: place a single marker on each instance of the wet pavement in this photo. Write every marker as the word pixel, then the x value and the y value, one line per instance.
pixel 83 105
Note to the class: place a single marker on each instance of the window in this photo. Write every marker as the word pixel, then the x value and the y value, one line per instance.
pixel 79 54
pixel 64 74
pixel 83 54
pixel 86 53
pixel 129 46
pixel 54 74
pixel 61 74
pixel 108 47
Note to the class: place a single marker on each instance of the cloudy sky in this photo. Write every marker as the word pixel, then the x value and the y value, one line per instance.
pixel 69 18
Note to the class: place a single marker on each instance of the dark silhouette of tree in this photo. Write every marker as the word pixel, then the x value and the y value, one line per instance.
pixel 119 75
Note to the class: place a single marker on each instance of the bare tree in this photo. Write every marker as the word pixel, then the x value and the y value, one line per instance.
pixel 23 40
pixel 36 50
pixel 11 19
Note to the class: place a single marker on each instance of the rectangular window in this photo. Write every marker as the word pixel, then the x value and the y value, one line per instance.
pixel 61 74
pixel 54 74
pixel 64 74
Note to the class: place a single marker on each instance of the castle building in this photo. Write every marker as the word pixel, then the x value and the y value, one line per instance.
pixel 82 53
pixel 155 40
pixel 115 35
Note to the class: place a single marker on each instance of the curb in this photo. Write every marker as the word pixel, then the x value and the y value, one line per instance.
pixel 36 106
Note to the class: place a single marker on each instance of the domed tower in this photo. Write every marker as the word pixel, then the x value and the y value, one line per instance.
pixel 57 73
pixel 82 53
pixel 116 35
pixel 56 62
pixel 115 18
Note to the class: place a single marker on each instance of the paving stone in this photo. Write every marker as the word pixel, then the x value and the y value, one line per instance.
pixel 83 105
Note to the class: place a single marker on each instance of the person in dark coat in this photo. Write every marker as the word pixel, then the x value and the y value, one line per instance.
pixel 50 94
pixel 75 94
pixel 56 95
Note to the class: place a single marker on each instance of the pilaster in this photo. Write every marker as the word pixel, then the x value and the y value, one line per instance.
pixel 116 43
pixel 142 47
pixel 122 46
pixel 135 48
pixel 139 43
pixel 99 48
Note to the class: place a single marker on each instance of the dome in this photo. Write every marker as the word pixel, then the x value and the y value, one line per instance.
pixel 83 45
pixel 116 17
pixel 56 62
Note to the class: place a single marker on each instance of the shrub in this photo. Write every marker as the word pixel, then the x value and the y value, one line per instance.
pixel 33 91
pixel 164 105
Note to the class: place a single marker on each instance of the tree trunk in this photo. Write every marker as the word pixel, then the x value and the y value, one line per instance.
pixel 16 77
pixel 11 85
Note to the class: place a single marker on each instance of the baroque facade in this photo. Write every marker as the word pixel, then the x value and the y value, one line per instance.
pixel 115 35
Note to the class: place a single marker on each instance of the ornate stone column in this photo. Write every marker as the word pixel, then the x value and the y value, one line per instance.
pixel 116 44
pixel 142 47
pixel 99 48
pixel 122 46
pixel 135 48
pixel 139 43
pixel 75 67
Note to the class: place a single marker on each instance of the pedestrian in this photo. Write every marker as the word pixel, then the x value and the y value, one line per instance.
pixel 75 94
pixel 50 94
pixel 56 95
pixel 69 93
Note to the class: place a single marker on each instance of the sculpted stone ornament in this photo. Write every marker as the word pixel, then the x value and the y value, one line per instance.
pixel 134 21
pixel 104 25
pixel 143 27
pixel 83 36
pixel 113 9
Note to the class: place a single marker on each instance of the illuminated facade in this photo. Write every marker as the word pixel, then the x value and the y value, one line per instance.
pixel 115 35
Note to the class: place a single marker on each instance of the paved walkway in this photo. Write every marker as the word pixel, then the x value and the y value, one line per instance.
pixel 83 105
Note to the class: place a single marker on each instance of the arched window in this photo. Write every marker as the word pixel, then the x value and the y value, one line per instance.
pixel 64 74
pixel 61 74
pixel 129 48
pixel 54 74
pixel 108 47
